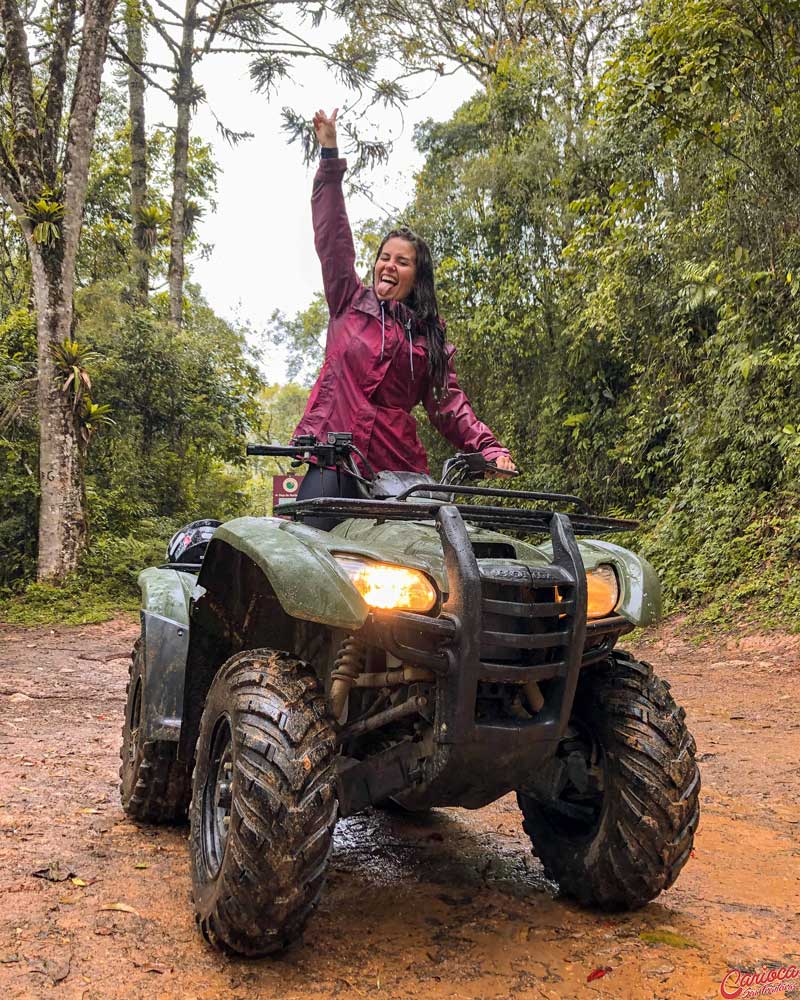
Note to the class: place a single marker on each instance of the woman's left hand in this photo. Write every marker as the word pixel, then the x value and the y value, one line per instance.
pixel 504 464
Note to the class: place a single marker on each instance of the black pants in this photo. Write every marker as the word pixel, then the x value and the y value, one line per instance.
pixel 319 482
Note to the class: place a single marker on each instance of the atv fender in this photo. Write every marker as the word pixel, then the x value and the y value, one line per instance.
pixel 264 583
pixel 305 578
pixel 165 641
pixel 167 592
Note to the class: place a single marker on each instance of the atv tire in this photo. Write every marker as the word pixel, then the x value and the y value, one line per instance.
pixel 263 804
pixel 618 843
pixel 155 785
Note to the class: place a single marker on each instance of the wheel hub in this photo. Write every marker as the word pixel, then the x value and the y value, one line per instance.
pixel 218 797
pixel 577 808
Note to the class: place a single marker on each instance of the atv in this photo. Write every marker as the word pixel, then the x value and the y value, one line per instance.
pixel 419 654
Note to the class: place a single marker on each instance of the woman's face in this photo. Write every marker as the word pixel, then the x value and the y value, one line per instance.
pixel 395 270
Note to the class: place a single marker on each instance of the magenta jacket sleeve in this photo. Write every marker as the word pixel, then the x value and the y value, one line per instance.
pixel 455 419
pixel 332 236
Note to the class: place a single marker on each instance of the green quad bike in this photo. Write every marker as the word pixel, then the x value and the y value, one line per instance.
pixel 415 654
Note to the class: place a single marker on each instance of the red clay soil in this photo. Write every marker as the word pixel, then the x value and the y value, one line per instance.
pixel 449 905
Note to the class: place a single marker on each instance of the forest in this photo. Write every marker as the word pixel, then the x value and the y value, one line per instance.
pixel 615 223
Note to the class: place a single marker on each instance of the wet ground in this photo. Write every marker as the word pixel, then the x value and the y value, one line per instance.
pixel 449 905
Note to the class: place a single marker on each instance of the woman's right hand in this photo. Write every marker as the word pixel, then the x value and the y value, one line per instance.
pixel 325 128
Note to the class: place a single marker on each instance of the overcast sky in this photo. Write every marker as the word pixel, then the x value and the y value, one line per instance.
pixel 264 255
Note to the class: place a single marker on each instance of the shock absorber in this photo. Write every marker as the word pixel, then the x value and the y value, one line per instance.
pixel 346 668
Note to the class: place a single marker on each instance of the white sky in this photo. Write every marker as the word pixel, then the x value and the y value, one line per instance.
pixel 264 255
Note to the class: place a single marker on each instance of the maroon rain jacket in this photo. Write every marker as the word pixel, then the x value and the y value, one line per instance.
pixel 376 369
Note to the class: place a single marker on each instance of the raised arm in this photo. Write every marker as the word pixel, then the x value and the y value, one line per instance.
pixel 332 236
pixel 455 420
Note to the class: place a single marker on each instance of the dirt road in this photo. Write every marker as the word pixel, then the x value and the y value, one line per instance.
pixel 452 905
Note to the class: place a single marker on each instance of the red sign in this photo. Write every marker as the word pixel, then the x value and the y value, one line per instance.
pixel 284 488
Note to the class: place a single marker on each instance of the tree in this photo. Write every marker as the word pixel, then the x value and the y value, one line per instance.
pixel 478 37
pixel 272 41
pixel 303 339
pixel 140 256
pixel 43 178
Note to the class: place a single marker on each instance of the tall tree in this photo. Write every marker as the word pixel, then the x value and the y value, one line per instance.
pixel 271 37
pixel 184 96
pixel 44 179
pixel 134 30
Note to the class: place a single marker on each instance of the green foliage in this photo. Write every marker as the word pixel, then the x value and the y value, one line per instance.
pixel 175 410
pixel 282 406
pixel 71 358
pixel 45 216
pixel 104 586
pixel 19 487
pixel 732 553
pixel 303 339
pixel 182 404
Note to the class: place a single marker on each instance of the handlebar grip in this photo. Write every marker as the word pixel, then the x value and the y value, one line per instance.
pixel 272 449
pixel 505 473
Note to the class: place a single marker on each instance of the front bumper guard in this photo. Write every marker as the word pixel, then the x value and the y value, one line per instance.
pixel 450 645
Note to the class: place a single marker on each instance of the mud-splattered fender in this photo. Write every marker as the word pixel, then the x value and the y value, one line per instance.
pixel 306 579
pixel 166 595
pixel 167 592
pixel 264 583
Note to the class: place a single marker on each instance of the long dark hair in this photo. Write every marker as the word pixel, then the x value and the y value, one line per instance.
pixel 424 306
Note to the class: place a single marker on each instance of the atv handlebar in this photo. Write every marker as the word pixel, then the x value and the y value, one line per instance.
pixel 338 450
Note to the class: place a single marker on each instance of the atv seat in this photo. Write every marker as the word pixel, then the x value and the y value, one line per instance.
pixel 387 485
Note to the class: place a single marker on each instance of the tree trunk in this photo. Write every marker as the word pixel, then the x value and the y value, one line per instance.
pixel 62 513
pixel 140 257
pixel 27 164
pixel 183 99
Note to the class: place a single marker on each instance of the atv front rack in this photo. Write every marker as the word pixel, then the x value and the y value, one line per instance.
pixel 498 518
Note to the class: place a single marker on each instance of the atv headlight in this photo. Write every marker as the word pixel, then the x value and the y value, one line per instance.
pixel 383 585
pixel 602 591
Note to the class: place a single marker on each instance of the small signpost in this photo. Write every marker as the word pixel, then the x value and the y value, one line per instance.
pixel 284 488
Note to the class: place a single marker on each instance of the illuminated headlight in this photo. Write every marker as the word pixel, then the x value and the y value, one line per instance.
pixel 383 585
pixel 602 591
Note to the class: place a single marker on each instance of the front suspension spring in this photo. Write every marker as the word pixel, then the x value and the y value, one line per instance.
pixel 347 666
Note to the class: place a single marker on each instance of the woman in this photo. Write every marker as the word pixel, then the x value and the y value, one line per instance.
pixel 385 349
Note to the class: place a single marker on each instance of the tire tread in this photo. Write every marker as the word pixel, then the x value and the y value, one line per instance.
pixel 646 833
pixel 161 784
pixel 284 808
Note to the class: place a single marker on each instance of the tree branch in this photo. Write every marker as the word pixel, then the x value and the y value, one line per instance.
pixel 25 143
pixel 54 100
pixel 122 56
pixel 85 101
pixel 178 17
pixel 165 36
pixel 212 31
pixel 11 199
